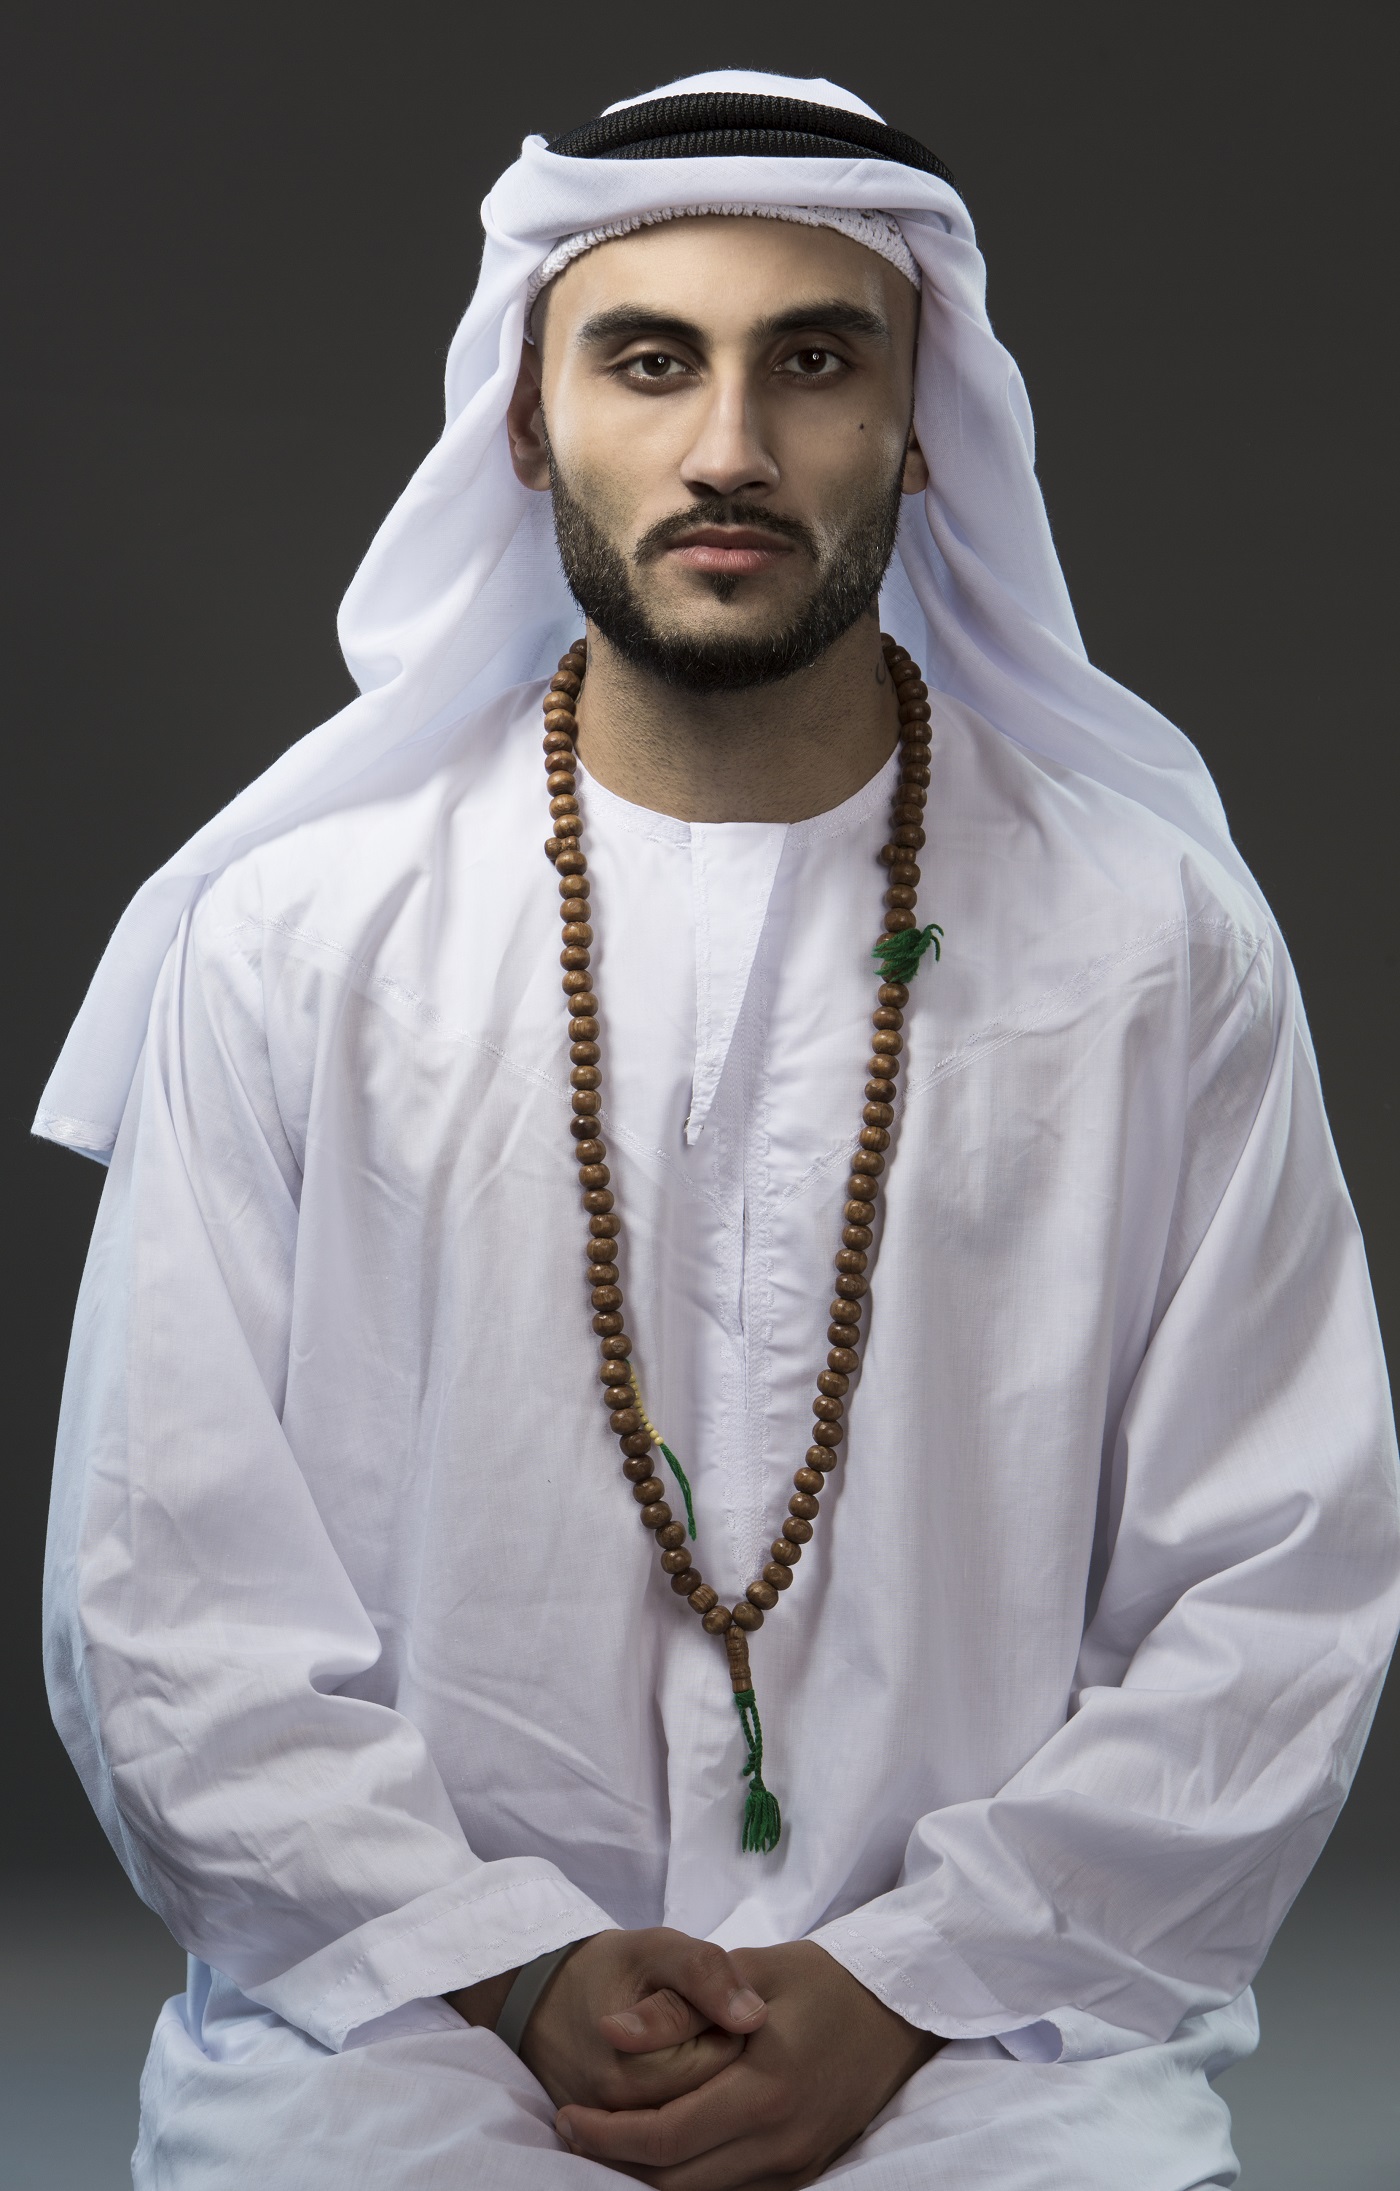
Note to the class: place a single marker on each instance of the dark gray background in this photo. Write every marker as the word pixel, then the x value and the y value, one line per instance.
pixel 239 239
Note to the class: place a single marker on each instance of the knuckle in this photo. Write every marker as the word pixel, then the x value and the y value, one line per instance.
pixel 672 2013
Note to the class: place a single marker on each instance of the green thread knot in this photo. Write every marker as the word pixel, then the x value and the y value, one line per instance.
pixel 899 955
pixel 679 1473
pixel 763 1821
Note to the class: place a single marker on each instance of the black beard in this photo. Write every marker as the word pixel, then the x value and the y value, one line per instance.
pixel 601 582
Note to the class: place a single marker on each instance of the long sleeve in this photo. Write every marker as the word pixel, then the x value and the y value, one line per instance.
pixel 202 1635
pixel 1242 1608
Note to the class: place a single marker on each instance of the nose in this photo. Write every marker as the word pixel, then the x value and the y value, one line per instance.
pixel 728 455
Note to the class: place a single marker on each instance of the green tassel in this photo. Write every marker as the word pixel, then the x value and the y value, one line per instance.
pixel 763 1821
pixel 679 1473
pixel 899 955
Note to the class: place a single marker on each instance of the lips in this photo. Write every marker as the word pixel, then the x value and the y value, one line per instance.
pixel 731 551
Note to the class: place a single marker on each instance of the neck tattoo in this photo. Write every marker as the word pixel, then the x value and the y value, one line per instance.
pixel 898 951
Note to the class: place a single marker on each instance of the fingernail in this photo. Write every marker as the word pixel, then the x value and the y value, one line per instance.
pixel 632 2025
pixel 745 2002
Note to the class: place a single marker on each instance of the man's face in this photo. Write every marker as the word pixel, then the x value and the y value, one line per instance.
pixel 722 409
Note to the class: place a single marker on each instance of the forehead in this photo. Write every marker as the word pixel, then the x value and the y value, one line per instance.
pixel 727 271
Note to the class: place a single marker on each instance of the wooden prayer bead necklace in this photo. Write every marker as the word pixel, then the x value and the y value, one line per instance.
pixel 899 951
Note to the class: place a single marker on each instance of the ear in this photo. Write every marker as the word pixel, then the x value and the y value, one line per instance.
pixel 529 449
pixel 916 472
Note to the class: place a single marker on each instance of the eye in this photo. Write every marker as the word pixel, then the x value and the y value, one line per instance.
pixel 653 367
pixel 813 363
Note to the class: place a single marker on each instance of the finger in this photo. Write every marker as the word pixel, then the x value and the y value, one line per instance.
pixel 662 2137
pixel 664 2018
pixel 650 2080
pixel 710 1981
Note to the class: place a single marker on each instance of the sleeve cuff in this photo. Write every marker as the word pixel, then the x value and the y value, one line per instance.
pixel 496 1918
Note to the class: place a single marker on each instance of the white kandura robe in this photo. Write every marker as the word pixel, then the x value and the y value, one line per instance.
pixel 354 1632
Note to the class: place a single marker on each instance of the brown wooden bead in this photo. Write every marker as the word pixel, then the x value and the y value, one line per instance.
pixel 916 708
pixel 583 1027
pixel 777 1577
pixel 563 802
pixel 637 1466
pixel 574 956
pixel 894 993
pixel 587 1102
pixel 590 1159
pixel 581 999
pixel 577 932
pixel 886 1043
pixel 571 862
pixel 809 1479
pixel 859 1213
pixel 585 1076
pixel 618 1397
pixel 671 1537
pixel 637 1447
pixel 607 1324
pixel 827 1410
pixel 648 1491
pixel 558 739
pixel 841 1338
pixel 602 1251
pixel 624 1420
pixel 673 1561
pixel 900 894
pixel 797 1531
pixel 747 1615
pixel 883 1068
pixel 785 1552
pixel 907 834
pixel 803 1507
pixel 857 1236
pixel 716 1620
pixel 560 780
pixel 763 1595
pixel 603 1225
pixel 842 1359
pixel 897 922
pixel 574 913
pixel 833 1384
pixel 850 1286
pixel 888 1018
pixel 827 1434
pixel 597 1201
pixel 686 1580
pixel 878 1114
pixel 584 1053
pixel 822 1456
pixel 566 678
pixel 868 1161
pixel 846 1310
pixel 656 1515
pixel 880 1090
pixel 573 985
pixel 607 1297
pixel 616 1348
pixel 851 1259
pixel 703 1598
pixel 553 846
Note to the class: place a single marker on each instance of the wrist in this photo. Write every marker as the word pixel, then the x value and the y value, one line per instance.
pixel 483 2002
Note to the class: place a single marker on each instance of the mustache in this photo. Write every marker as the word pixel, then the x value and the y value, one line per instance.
pixel 722 510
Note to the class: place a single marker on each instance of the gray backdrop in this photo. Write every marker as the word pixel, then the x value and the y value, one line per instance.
pixel 240 239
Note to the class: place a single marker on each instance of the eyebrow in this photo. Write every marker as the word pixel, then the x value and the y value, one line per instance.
pixel 624 322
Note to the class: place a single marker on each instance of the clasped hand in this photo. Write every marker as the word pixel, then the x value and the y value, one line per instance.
pixel 693 2069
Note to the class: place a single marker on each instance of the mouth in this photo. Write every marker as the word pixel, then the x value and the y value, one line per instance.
pixel 728 551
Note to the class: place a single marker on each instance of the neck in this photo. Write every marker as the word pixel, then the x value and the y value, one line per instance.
pixel 773 753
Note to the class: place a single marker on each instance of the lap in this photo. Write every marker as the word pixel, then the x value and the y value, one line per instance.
pixel 232 2097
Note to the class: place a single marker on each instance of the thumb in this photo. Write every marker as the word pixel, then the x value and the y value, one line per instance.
pixel 694 1985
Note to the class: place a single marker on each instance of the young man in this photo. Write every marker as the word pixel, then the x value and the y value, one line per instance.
pixel 1002 1298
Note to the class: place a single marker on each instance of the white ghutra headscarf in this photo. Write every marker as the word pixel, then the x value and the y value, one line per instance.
pixel 461 594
